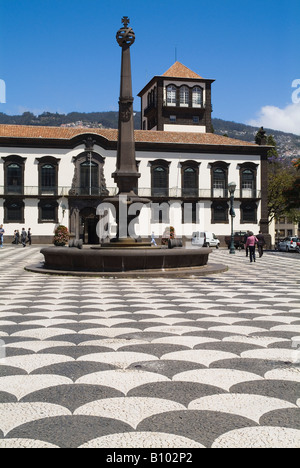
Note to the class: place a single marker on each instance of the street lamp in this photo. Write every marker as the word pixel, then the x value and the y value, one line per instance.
pixel 231 188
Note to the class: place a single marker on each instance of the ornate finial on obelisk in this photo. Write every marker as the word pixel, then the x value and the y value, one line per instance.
pixel 125 35
pixel 125 21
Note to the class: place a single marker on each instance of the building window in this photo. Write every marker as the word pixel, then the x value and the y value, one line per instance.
pixel 219 213
pixel 184 96
pixel 48 211
pixel 196 119
pixel 190 179
pixel 14 179
pixel 160 213
pixel 219 179
pixel 249 213
pixel 248 183
pixel 160 178
pixel 219 182
pixel 48 175
pixel 160 182
pixel 247 179
pixel 171 95
pixel 89 178
pixel 152 98
pixel 197 97
pixel 190 213
pixel 14 167
pixel 173 118
pixel 14 211
pixel 248 176
pixel 48 179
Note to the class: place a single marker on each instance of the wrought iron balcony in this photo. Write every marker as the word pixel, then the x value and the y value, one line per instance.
pixel 148 192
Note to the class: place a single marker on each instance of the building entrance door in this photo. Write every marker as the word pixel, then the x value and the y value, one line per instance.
pixel 88 226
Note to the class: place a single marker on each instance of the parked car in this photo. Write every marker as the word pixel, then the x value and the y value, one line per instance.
pixel 205 239
pixel 239 240
pixel 289 244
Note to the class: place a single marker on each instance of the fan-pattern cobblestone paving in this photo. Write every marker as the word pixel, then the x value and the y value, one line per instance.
pixel 182 363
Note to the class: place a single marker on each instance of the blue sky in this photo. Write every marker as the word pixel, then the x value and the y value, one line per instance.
pixel 62 56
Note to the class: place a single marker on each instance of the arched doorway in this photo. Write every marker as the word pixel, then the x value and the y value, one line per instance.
pixel 88 225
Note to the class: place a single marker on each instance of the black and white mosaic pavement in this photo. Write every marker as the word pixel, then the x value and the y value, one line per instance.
pixel 203 362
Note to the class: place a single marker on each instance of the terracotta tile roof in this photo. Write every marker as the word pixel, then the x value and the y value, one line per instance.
pixel 188 138
pixel 141 136
pixel 28 131
pixel 181 71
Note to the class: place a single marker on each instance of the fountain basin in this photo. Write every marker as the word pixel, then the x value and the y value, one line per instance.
pixel 123 260
pixel 127 263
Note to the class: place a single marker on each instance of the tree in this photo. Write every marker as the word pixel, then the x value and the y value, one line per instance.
pixel 292 193
pixel 281 176
pixel 260 138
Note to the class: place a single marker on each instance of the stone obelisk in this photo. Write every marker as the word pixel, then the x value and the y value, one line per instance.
pixel 126 175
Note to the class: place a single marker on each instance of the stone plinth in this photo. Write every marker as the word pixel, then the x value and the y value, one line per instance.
pixel 123 260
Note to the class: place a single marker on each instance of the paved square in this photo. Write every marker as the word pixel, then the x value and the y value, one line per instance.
pixel 203 362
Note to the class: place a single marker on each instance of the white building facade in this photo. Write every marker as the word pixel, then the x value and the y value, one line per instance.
pixel 52 179
pixel 51 176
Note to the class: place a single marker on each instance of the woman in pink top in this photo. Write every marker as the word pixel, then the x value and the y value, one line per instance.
pixel 251 242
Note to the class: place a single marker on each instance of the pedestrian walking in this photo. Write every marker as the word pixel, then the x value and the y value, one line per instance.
pixel 251 243
pixel 2 232
pixel 29 240
pixel 153 241
pixel 245 242
pixel 23 237
pixel 15 237
pixel 261 243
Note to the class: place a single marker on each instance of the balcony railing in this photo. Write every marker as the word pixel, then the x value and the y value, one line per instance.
pixel 178 103
pixel 35 191
pixel 163 193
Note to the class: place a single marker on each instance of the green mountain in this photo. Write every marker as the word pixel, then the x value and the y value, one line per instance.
pixel 288 143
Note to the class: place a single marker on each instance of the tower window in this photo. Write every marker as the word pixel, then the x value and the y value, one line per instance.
pixel 184 96
pixel 171 95
pixel 197 97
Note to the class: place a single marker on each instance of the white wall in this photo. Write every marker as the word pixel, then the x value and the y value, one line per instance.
pixel 184 128
pixel 66 173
